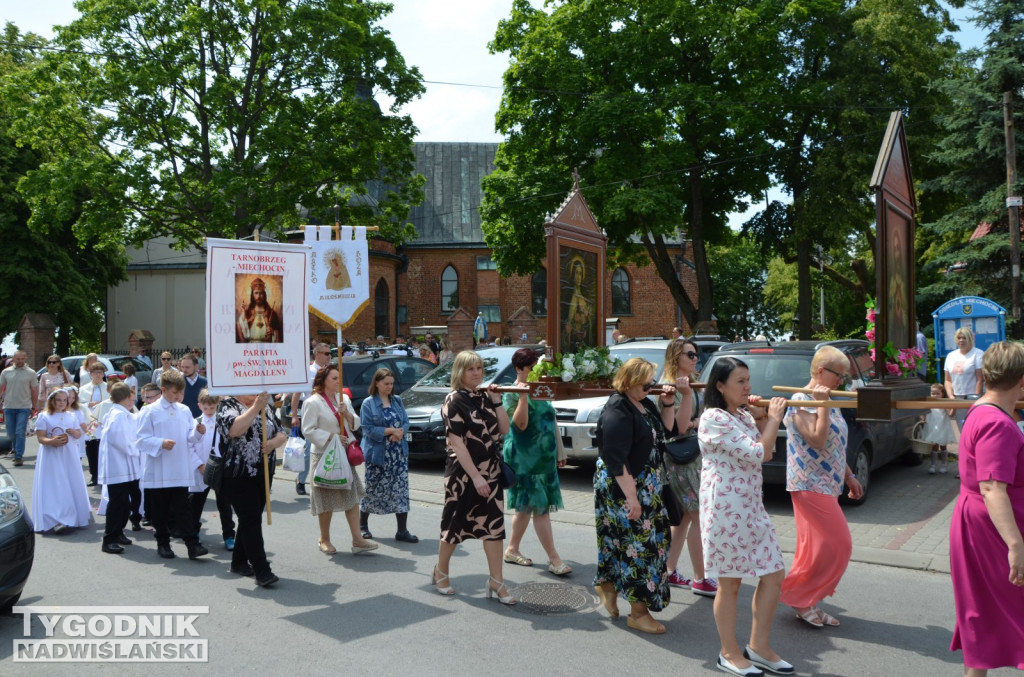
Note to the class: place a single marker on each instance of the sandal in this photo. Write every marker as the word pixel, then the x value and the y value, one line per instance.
pixel 448 590
pixel 562 569
pixel 506 599
pixel 326 548
pixel 811 616
pixel 517 558
pixel 828 620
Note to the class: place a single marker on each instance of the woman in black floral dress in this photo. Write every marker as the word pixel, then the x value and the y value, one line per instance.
pixel 473 500
pixel 632 523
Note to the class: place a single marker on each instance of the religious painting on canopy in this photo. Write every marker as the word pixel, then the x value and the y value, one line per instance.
pixel 578 308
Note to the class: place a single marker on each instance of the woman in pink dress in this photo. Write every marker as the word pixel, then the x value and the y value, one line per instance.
pixel 986 550
pixel 737 535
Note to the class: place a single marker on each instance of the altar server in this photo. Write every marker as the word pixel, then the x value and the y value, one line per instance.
pixel 118 466
pixel 165 429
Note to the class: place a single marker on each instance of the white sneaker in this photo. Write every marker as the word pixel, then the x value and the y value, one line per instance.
pixel 931 469
pixel 942 469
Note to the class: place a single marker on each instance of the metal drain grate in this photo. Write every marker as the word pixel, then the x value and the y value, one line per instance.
pixel 552 599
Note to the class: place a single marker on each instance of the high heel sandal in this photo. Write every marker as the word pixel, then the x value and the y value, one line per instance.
pixel 507 599
pixel 435 579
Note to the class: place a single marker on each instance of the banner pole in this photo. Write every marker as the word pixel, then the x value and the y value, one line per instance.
pixel 266 463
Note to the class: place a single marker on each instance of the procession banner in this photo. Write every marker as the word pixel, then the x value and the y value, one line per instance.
pixel 257 333
pixel 339 275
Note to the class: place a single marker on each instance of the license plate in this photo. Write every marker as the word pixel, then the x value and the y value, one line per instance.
pixel 412 436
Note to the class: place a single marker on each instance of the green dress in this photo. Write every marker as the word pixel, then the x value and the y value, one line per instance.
pixel 533 454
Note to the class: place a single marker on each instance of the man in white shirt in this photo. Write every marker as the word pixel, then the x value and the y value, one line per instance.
pixel 165 429
pixel 118 466
pixel 321 358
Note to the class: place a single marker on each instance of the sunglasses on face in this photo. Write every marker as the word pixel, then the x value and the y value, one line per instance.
pixel 692 355
pixel 53 361
pixel 165 359
pixel 648 386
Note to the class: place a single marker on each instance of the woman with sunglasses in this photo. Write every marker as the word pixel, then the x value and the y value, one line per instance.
pixel 166 366
pixel 55 376
pixel 632 523
pixel 815 471
pixel 684 478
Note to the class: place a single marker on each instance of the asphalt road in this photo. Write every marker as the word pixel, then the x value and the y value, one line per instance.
pixel 378 615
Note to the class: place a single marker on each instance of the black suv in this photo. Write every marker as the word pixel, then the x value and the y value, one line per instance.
pixel 871 444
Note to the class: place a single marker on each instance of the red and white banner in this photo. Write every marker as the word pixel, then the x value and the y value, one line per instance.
pixel 257 332
pixel 339 273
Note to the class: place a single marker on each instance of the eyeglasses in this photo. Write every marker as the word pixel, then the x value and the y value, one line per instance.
pixel 165 359
pixel 692 355
pixel 839 375
pixel 648 386
pixel 53 361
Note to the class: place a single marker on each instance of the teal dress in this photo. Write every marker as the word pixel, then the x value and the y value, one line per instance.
pixel 533 454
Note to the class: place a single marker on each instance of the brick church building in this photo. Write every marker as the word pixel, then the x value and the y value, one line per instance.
pixel 423 282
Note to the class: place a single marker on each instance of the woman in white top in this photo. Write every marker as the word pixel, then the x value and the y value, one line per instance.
pixel 83 370
pixel 962 369
pixel 131 381
pixel 59 497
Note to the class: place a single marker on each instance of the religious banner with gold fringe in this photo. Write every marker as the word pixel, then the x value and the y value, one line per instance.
pixel 339 273
pixel 257 330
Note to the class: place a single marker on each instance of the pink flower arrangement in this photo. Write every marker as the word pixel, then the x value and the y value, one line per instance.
pixel 902 362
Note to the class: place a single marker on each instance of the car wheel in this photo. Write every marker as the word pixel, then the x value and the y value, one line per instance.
pixel 862 469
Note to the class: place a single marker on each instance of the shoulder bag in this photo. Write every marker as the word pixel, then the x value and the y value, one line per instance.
pixel 213 473
pixel 353 451
pixel 683 449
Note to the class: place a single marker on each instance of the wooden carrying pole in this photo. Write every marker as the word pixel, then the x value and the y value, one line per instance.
pixel 266 461
pixel 809 391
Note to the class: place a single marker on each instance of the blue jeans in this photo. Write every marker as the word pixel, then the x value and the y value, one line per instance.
pixel 17 422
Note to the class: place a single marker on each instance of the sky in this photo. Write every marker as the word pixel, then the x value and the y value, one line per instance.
pixel 446 39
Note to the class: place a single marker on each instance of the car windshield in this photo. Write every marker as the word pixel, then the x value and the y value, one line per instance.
pixel 442 376
pixel 771 370
pixel 119 362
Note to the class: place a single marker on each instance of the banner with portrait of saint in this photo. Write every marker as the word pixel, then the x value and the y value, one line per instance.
pixel 339 275
pixel 257 333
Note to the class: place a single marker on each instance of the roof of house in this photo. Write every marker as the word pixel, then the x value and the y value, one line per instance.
pixel 450 212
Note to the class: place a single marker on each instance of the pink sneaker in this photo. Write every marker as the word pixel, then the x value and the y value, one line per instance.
pixel 708 587
pixel 677 580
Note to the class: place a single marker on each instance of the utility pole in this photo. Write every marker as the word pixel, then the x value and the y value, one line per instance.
pixel 1013 207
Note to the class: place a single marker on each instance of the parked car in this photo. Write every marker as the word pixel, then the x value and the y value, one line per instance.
pixel 423 401
pixel 577 419
pixel 357 373
pixel 113 364
pixel 871 444
pixel 17 542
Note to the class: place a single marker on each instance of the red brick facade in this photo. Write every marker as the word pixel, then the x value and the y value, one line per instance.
pixel 419 290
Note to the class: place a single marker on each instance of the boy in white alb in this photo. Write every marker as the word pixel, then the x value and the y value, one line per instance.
pixel 165 429
pixel 118 466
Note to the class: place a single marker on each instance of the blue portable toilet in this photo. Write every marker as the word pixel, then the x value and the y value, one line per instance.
pixel 987 319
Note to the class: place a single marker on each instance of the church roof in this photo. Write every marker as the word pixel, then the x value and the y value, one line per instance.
pixel 449 213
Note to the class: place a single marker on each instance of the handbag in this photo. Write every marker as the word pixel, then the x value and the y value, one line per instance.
pixel 333 470
pixel 213 473
pixel 507 477
pixel 354 453
pixel 683 449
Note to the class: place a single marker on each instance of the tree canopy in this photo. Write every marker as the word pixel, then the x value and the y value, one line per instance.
pixel 972 153
pixel 195 119
pixel 630 93
pixel 50 269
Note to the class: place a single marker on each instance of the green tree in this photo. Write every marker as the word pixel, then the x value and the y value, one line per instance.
pixel 973 155
pixel 50 270
pixel 739 277
pixel 846 65
pixel 218 118
pixel 639 96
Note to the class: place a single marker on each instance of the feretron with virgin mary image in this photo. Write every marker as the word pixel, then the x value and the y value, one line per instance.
pixel 578 298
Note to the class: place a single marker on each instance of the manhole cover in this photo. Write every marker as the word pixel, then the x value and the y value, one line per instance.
pixel 551 599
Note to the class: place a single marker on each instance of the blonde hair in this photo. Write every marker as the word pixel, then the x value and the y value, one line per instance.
pixel 635 372
pixel 1003 365
pixel 673 352
pixel 462 362
pixel 828 356
pixel 206 398
pixel 967 334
